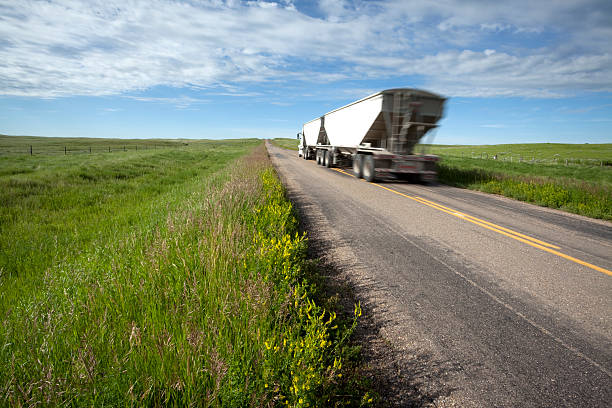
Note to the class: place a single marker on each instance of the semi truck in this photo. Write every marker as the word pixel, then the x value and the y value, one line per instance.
pixel 376 135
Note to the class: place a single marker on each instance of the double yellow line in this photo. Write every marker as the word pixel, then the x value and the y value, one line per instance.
pixel 526 239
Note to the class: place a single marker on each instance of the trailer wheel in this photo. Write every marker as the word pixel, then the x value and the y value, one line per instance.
pixel 358 165
pixel 369 174
pixel 328 159
pixel 318 157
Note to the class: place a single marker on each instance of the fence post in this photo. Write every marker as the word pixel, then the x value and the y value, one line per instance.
pixel 89 149
pixel 124 149
pixel 136 147
pixel 65 151
pixel 109 149
pixel 31 150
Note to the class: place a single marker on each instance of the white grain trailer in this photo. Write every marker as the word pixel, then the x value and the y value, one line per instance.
pixel 376 135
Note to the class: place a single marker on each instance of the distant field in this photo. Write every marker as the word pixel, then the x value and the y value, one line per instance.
pixel 171 276
pixel 291 144
pixel 587 154
pixel 35 145
pixel 574 178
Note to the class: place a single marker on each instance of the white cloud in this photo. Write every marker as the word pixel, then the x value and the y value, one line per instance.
pixel 469 73
pixel 180 102
pixel 69 47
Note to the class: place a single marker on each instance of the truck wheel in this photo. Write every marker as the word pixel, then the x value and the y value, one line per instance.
pixel 319 157
pixel 358 165
pixel 329 159
pixel 369 174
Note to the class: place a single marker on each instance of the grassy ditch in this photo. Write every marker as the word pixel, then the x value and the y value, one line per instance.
pixel 570 177
pixel 583 190
pixel 156 278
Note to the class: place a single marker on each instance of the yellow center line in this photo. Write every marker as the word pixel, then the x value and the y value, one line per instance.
pixel 458 213
pixel 342 171
pixel 534 242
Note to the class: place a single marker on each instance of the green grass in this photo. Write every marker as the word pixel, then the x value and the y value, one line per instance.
pixel 10 145
pixel 588 154
pixel 160 277
pixel 583 186
pixel 285 143
pixel 596 176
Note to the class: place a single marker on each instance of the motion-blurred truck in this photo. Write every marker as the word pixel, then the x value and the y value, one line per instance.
pixel 376 135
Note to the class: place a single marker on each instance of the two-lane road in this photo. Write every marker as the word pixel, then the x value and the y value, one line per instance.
pixel 514 300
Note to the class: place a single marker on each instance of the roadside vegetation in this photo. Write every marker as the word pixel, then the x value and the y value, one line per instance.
pixel 165 277
pixel 573 178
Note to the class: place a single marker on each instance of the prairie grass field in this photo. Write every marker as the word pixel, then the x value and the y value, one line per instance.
pixel 161 277
pixel 36 145
pixel 291 144
pixel 569 177
pixel 551 153
pixel 572 178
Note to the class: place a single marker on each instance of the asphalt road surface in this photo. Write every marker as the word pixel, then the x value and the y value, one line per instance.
pixel 501 303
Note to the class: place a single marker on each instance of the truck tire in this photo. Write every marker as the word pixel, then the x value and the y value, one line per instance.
pixel 358 165
pixel 329 159
pixel 369 173
pixel 318 157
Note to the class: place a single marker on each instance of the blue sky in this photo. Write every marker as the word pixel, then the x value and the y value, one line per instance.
pixel 514 71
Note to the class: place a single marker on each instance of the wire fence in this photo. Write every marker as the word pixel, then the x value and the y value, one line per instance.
pixel 560 161
pixel 33 150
